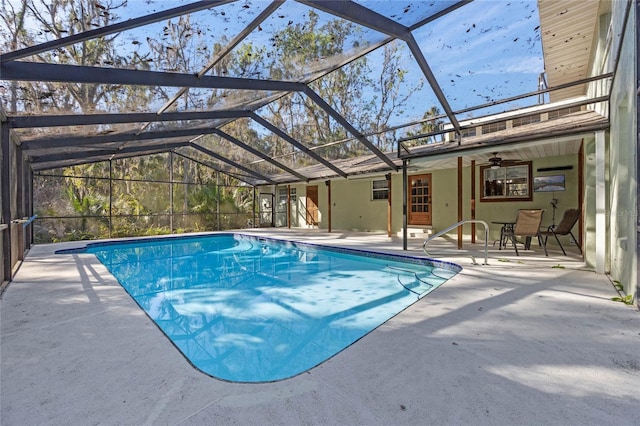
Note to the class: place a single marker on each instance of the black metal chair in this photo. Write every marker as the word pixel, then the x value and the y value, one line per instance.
pixel 569 219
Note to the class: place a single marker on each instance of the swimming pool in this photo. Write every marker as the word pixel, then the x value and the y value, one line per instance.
pixel 248 309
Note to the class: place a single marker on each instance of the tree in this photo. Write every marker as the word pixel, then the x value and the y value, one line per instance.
pixel 89 197
pixel 366 101
pixel 389 100
pixel 36 20
pixel 297 46
pixel 299 51
pixel 13 22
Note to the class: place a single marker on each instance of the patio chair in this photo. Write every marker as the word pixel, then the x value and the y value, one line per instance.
pixel 569 219
pixel 527 225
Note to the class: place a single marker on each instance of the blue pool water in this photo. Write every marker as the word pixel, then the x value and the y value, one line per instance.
pixel 248 309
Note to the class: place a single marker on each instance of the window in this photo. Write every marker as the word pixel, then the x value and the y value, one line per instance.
pixel 563 111
pixel 506 183
pixel 494 127
pixel 467 133
pixel 283 192
pixel 516 122
pixel 379 190
pixel 282 196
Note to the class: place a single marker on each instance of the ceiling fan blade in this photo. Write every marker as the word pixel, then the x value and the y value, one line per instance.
pixel 511 161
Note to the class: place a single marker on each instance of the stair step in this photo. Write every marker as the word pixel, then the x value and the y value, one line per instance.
pixel 415 232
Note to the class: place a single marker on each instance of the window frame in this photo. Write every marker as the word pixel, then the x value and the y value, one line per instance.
pixel 485 170
pixel 375 190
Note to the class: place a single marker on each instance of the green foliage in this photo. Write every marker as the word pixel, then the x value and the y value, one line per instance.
pixel 85 201
pixel 140 200
pixel 627 300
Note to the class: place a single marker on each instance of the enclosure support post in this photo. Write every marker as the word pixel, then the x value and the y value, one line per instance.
pixel 273 206
pixel 404 204
pixel 30 209
pixel 459 201
pixel 253 210
pixel 218 198
pixel 110 197
pixel 473 201
pixel 5 191
pixel 21 199
pixel 171 192
pixel 289 206
pixel 328 183
pixel 20 187
pixel 389 210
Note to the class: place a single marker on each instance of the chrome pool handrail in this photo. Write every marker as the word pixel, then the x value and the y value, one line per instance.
pixel 454 226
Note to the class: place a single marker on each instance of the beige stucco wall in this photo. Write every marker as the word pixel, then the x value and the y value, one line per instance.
pixel 504 211
pixel 589 208
pixel 445 199
pixel 622 196
pixel 353 209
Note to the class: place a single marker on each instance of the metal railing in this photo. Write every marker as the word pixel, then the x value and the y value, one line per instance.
pixel 25 221
pixel 456 225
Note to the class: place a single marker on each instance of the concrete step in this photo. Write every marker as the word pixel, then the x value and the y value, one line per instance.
pixel 422 232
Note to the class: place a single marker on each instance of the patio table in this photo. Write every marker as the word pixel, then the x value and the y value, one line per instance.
pixel 505 226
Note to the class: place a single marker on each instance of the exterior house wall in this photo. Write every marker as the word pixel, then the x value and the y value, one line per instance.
pixel 353 207
pixel 602 62
pixel 444 203
pixel 589 247
pixel 508 210
pixel 622 202
pixel 297 209
pixel 323 214
pixel 396 202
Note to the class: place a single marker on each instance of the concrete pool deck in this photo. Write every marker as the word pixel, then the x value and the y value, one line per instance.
pixel 525 340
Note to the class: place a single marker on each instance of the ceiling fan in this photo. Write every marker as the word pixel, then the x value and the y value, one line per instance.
pixel 496 162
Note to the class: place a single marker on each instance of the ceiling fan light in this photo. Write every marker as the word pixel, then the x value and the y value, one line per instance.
pixel 495 166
